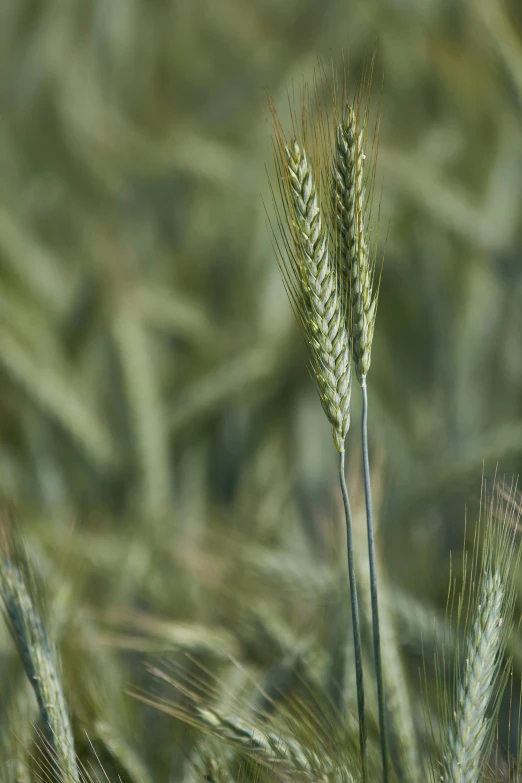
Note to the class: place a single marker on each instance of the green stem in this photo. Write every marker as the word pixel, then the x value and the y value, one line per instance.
pixel 355 621
pixel 373 583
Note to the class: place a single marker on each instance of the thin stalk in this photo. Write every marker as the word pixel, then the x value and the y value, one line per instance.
pixel 355 621
pixel 373 583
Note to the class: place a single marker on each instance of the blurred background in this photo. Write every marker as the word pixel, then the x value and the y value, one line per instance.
pixel 162 445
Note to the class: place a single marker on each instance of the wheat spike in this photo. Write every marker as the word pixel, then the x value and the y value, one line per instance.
pixel 312 283
pixel 476 689
pixel 38 657
pixel 478 679
pixel 284 756
pixel 357 264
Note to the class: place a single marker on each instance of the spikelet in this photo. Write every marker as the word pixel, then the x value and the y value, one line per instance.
pixel 312 281
pixel 351 210
pixel 37 654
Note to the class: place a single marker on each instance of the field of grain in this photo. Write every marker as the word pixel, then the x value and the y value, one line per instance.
pixel 173 561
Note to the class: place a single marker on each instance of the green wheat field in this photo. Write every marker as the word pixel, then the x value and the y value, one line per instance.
pixel 230 229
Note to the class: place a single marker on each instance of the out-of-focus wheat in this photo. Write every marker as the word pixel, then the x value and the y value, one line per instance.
pixel 38 655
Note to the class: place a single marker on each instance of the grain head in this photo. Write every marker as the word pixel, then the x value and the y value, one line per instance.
pixel 353 181
pixel 309 270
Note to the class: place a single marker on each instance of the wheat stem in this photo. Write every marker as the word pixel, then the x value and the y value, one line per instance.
pixel 373 583
pixel 355 621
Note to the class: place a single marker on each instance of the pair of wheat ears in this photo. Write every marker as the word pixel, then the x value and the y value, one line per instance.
pixel 327 258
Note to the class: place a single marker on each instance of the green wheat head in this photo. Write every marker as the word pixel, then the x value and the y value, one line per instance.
pixel 352 209
pixel 485 616
pixel 311 278
pixel 24 614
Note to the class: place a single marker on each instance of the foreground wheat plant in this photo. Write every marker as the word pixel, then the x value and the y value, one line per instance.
pixel 311 275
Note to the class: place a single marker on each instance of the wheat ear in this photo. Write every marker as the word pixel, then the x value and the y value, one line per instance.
pixel 296 748
pixel 314 288
pixel 488 624
pixel 357 263
pixel 312 283
pixel 357 269
pixel 285 756
pixel 464 756
pixel 38 656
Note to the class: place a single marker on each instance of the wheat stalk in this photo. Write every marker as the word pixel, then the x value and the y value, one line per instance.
pixel 314 288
